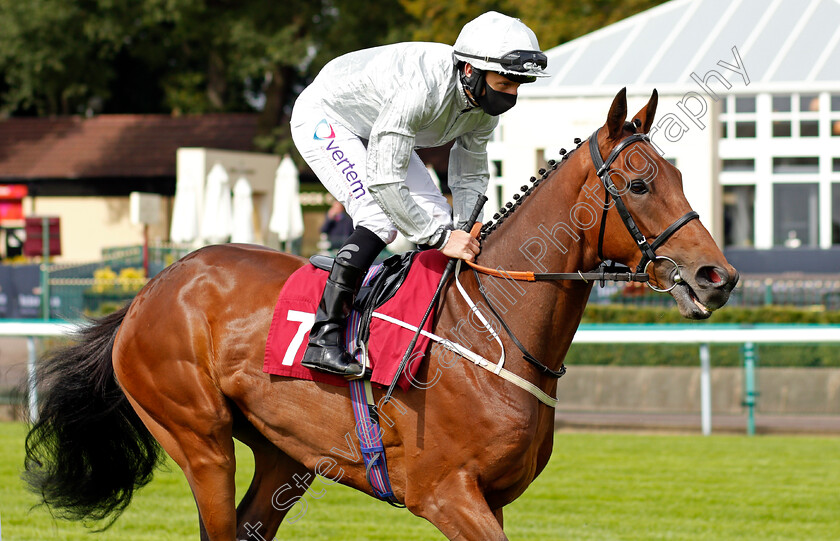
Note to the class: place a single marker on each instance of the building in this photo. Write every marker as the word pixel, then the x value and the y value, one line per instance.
pixel 83 170
pixel 749 111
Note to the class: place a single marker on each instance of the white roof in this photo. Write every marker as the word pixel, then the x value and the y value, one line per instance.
pixel 785 45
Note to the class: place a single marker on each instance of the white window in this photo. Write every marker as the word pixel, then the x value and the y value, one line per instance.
pixel 796 165
pixel 781 115
pixel 835 212
pixel 796 214
pixel 782 128
pixel 738 215
pixel 835 115
pixel 738 165
pixel 781 104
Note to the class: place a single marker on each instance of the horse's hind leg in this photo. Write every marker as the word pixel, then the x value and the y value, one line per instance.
pixel 208 461
pixel 278 483
pixel 194 426
pixel 458 509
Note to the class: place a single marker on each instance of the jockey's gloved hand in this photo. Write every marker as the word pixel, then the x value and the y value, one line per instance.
pixel 461 245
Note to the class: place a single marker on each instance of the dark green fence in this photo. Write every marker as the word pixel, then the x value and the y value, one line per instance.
pixel 79 289
pixel 750 292
pixel 86 289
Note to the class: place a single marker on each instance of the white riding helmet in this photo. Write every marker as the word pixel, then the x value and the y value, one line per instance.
pixel 496 42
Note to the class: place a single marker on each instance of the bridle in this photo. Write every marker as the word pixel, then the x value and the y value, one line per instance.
pixel 602 169
pixel 603 273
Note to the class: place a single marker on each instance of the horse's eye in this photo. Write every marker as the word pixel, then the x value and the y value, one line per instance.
pixel 638 187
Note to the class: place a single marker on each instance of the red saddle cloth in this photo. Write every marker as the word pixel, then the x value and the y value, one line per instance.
pixel 294 314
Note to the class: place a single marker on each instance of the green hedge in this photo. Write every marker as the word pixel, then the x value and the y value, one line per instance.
pixel 621 313
pixel 11 395
pixel 811 355
pixel 816 355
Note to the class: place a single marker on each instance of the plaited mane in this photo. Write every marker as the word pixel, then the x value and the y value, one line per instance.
pixel 510 207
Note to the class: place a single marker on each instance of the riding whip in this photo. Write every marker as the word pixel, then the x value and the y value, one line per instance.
pixel 450 266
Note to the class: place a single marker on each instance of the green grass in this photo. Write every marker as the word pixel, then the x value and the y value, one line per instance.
pixel 598 486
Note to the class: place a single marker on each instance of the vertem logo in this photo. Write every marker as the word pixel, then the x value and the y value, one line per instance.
pixel 324 131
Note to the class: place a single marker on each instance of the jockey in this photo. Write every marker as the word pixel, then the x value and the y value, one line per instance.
pixel 357 126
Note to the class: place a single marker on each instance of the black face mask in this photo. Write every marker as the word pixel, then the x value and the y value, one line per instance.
pixel 494 102
pixel 491 101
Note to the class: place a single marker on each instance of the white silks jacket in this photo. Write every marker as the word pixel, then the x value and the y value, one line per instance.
pixel 401 97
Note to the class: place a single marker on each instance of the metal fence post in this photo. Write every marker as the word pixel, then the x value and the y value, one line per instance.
pixel 705 390
pixel 749 386
pixel 33 384
pixel 768 292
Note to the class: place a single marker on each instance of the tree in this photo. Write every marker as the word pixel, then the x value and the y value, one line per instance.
pixel 45 47
pixel 558 22
pixel 553 22
pixel 177 56
pixel 60 57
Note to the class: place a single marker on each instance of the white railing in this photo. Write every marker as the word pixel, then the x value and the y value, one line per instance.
pixel 31 330
pixel 709 333
pixel 700 334
pixel 703 335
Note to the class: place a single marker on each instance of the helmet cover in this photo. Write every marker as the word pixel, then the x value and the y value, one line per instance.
pixel 496 42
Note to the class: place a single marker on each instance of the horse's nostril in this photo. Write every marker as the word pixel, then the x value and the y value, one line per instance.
pixel 712 276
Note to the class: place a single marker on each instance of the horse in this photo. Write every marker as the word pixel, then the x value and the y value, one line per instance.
pixel 179 369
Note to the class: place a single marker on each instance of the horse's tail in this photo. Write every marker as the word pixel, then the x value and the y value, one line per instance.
pixel 88 451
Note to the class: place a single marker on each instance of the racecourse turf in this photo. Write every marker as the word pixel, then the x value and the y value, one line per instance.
pixel 597 486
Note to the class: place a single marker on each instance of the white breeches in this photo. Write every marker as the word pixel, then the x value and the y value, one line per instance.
pixel 339 159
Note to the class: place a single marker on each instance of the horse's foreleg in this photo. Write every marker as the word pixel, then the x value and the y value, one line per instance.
pixel 459 510
pixel 277 485
pixel 499 516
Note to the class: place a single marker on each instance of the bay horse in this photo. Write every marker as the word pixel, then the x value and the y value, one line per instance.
pixel 180 368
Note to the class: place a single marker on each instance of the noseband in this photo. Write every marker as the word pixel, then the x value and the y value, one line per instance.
pixel 602 169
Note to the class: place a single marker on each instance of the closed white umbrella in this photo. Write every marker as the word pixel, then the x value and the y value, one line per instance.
pixel 216 223
pixel 243 212
pixel 433 174
pixel 286 216
pixel 186 208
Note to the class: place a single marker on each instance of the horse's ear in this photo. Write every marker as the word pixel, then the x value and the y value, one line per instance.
pixel 645 116
pixel 617 114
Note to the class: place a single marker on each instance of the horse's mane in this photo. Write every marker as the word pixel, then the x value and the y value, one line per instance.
pixel 510 207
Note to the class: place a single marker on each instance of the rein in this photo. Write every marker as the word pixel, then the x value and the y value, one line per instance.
pixel 527 276
pixel 602 168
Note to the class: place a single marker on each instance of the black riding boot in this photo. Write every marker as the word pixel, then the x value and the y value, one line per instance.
pixel 326 351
